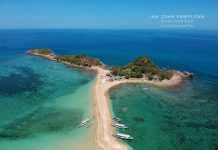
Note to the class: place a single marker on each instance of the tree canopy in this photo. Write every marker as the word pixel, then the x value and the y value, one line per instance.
pixel 142 66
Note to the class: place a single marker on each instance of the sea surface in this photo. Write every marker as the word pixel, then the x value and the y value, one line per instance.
pixel 42 101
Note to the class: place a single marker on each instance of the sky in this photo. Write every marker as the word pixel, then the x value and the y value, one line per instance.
pixel 104 14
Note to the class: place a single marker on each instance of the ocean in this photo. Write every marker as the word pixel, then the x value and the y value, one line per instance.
pixel 42 103
pixel 185 117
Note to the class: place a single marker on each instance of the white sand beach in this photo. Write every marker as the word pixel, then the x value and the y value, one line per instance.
pixel 103 138
pixel 104 128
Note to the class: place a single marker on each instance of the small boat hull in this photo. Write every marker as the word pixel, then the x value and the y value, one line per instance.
pixel 120 127
pixel 117 119
pixel 85 122
pixel 123 136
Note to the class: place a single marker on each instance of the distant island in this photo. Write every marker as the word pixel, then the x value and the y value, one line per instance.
pixel 141 70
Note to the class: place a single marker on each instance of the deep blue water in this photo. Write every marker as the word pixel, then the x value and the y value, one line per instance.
pixel 190 110
pixel 173 49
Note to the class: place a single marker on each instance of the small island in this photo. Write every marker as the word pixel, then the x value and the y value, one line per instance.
pixel 141 70
pixel 141 67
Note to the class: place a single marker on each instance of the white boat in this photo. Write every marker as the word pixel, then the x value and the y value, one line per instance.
pixel 120 126
pixel 124 109
pixel 84 122
pixel 123 136
pixel 117 119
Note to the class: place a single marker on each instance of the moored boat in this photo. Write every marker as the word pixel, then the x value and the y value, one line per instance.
pixel 123 136
pixel 120 126
pixel 117 119
pixel 84 122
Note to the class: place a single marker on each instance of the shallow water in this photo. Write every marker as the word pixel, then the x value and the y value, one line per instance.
pixel 181 118
pixel 42 102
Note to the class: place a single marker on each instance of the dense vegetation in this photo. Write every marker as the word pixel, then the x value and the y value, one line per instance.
pixel 142 66
pixel 81 59
pixel 43 51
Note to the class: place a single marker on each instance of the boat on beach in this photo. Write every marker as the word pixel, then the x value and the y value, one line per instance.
pixel 123 136
pixel 84 122
pixel 120 126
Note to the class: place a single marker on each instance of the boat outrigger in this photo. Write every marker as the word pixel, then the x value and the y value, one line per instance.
pixel 84 122
pixel 123 136
pixel 120 126
pixel 117 119
pixel 90 124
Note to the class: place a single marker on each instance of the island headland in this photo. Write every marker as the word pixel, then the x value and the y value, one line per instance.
pixel 141 70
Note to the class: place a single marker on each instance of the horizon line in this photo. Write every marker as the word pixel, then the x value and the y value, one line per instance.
pixel 185 29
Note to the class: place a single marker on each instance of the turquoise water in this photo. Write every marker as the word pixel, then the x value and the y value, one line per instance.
pixel 41 104
pixel 184 118
pixel 32 88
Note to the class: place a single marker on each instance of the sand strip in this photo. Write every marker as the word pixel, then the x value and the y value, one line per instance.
pixel 104 130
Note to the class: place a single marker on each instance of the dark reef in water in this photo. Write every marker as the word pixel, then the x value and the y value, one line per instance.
pixel 138 119
pixel 26 80
pixel 43 120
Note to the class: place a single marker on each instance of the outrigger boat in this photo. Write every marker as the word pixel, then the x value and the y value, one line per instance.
pixel 117 119
pixel 120 126
pixel 84 122
pixel 123 136
pixel 90 124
